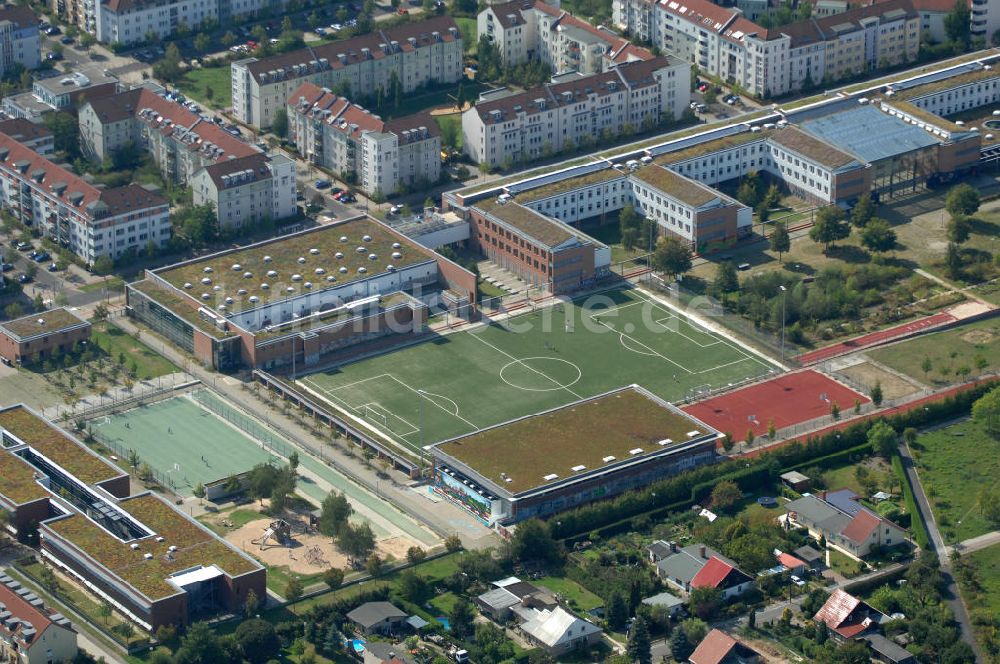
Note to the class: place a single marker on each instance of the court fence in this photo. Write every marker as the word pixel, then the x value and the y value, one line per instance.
pixel 123 453
pixel 246 423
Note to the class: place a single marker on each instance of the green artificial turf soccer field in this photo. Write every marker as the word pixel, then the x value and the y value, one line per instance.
pixel 458 383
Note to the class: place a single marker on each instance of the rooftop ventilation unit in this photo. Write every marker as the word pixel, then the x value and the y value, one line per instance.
pixel 609 459
pixel 637 450
pixel 550 477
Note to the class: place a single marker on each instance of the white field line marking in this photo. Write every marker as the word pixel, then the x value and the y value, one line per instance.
pixel 661 356
pixel 659 321
pixel 540 373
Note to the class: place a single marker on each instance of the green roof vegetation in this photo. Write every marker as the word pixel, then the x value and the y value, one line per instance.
pixel 537 226
pixel 18 484
pixel 178 304
pixel 195 547
pixel 44 322
pixel 55 445
pixel 714 145
pixel 947 84
pixel 311 256
pixel 925 116
pixel 579 434
pixel 569 184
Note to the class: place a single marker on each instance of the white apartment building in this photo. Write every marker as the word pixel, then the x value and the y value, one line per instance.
pixel 724 43
pixel 985 19
pixel 248 189
pixel 91 222
pixel 20 42
pixel 955 94
pixel 383 155
pixel 524 30
pixel 417 54
pixel 130 21
pixel 547 119
pixel 183 144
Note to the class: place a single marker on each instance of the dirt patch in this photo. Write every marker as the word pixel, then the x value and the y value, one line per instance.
pixel 772 654
pixel 309 552
pixel 977 337
pixel 866 374
pixel 450 110
pixel 968 309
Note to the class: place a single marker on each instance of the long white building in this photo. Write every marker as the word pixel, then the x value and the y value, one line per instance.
pixel 417 54
pixel 382 155
pixel 724 43
pixel 546 120
pixel 130 21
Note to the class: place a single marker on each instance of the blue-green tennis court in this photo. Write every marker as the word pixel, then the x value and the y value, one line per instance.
pixel 184 442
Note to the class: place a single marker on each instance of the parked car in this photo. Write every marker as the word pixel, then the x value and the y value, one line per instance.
pixel 336 190
pixel 67 40
pixel 322 184
pixel 41 257
pixel 52 31
pixel 743 267
pixel 348 198
pixel 320 31
pixel 23 278
pixel 797 581
pixel 23 246
pixel 395 209
pixel 53 267
pixel 6 267
pixel 54 56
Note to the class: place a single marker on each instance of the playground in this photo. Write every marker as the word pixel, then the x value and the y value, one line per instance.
pixel 183 442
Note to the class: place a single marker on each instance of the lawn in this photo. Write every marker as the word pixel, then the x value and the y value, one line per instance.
pixel 453 120
pixel 196 82
pixel 444 603
pixel 577 596
pixel 848 567
pixel 537 361
pixel 975 347
pixel 987 563
pixel 116 342
pixel 468 28
pixel 955 463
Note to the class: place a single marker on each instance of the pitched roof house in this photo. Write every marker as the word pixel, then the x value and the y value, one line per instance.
pixel 559 631
pixel 698 566
pixel 847 616
pixel 845 522
pixel 719 648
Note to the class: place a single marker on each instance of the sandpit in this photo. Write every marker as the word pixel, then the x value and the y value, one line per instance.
pixel 310 552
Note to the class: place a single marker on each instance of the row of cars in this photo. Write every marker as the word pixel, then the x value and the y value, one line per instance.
pixel 336 27
pixel 336 193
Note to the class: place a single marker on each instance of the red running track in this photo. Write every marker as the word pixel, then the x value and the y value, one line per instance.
pixel 789 399
pixel 875 338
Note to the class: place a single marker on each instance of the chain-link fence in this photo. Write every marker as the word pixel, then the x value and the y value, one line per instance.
pixel 124 454
pixel 246 423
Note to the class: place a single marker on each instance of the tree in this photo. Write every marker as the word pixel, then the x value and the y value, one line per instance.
pixel 749 192
pixel 257 640
pixel 250 605
pixel 199 492
pixel 201 645
pixel 829 227
pixel 863 211
pixel 65 133
pixel 356 541
pixel 202 42
pixel 293 589
pixel 962 199
pixel 639 644
pixel 279 125
pixel 672 256
pixel 335 512
pixel 953 260
pixel 105 610
pixel 680 647
pixel 460 618
pixel 876 394
pixel 374 566
pixel 452 543
pixel 780 241
pixel 882 438
pixel 877 236
pixel 533 541
pixel 957 24
pixel 413 587
pixel 705 602
pixel 199 223
pixel 725 495
pixel 986 412
pixel 615 611
pixel 959 228
pixel 168 68
pixel 333 577
pixel 726 279
pixel 415 554
pixel 748 439
pixel 835 410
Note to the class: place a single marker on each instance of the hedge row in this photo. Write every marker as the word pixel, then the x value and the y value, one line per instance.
pixel 614 515
pixel 917 527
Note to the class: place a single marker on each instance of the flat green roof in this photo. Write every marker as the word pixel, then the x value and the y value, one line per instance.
pixel 713 145
pixel 946 84
pixel 18 484
pixel 569 184
pixel 680 188
pixel 311 256
pixel 55 445
pixel 580 434
pixel 544 230
pixel 44 322
pixel 195 546
pixel 176 303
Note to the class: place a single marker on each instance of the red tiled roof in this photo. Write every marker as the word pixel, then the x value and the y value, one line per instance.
pixel 861 526
pixel 351 118
pixel 712 574
pixel 789 561
pixel 25 612
pixel 837 611
pixel 18 15
pixel 706 14
pixel 714 648
pixel 23 130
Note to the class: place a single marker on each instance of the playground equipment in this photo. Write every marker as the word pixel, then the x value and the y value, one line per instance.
pixel 279 530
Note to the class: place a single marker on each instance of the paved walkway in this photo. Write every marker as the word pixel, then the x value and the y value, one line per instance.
pixel 952 596
pixel 974 544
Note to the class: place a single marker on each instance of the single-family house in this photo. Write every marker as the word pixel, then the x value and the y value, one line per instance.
pixel 723 575
pixel 790 562
pixel 557 631
pixel 720 648
pixel 378 618
pixel 845 522
pixel 849 617
pixel 659 550
pixel 672 603
pixel 698 565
